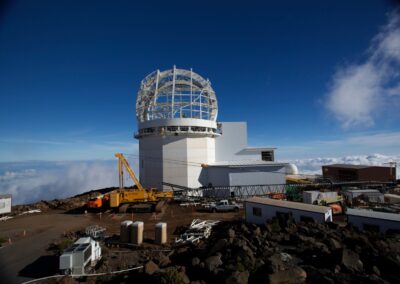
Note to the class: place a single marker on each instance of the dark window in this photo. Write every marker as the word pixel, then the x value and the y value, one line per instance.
pixel 347 175
pixel 283 218
pixel 306 219
pixel 257 211
pixel 267 156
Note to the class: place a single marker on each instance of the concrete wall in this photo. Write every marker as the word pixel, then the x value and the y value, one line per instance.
pixel 150 161
pixel 269 211
pixel 174 159
pixel 383 225
pixel 230 145
pixel 231 142
pixel 178 159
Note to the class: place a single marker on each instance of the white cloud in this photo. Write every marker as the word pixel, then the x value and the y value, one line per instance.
pixel 359 91
pixel 313 166
pixel 378 139
pixel 34 181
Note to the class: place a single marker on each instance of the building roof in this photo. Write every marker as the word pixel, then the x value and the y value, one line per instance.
pixel 246 163
pixel 84 240
pixel 257 149
pixel 373 214
pixel 5 196
pixel 289 204
pixel 348 166
pixel 362 191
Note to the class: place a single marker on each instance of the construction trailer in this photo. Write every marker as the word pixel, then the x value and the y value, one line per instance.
pixel 5 203
pixel 373 221
pixel 344 172
pixel 75 258
pixel 95 232
pixel 260 209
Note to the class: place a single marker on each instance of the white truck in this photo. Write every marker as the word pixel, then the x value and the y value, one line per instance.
pixel 223 206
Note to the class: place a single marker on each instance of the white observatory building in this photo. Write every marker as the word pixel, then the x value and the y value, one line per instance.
pixel 180 141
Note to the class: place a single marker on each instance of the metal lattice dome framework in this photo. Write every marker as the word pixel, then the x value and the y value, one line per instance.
pixel 178 101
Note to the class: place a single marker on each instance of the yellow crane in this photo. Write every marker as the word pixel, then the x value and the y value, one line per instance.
pixel 139 198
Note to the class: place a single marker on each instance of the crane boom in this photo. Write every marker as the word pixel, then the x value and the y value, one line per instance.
pixel 122 162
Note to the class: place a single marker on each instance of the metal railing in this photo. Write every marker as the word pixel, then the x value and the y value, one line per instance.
pixel 245 191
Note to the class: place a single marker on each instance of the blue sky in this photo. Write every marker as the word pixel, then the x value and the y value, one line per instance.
pixel 314 78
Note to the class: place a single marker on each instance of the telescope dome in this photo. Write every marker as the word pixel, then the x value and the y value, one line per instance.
pixel 178 100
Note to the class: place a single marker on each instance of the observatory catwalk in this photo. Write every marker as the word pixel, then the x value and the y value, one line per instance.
pixel 181 142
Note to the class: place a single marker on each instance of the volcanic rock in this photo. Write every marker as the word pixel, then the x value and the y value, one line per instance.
pixel 150 267
pixel 238 277
pixel 292 275
pixel 213 262
pixel 351 260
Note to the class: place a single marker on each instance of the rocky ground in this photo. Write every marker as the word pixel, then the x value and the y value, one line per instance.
pixel 280 252
pixel 68 204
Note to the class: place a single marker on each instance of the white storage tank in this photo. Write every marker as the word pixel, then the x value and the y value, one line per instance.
pixel 125 231
pixel 161 233
pixel 136 233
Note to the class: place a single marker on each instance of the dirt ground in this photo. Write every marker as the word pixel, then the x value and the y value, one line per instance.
pixel 27 257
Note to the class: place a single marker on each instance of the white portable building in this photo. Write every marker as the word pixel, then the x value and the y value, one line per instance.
pixel 259 209
pixel 372 220
pixel 5 203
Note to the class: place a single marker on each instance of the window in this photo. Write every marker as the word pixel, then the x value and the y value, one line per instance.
pixel 267 156
pixel 257 211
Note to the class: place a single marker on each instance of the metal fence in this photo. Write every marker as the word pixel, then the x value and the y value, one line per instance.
pixel 244 191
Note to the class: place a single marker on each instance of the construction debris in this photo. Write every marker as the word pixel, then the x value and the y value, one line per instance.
pixel 96 232
pixel 5 218
pixel 187 204
pixel 198 230
pixel 31 211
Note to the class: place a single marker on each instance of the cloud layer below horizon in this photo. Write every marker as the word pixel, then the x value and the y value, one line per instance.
pixel 34 181
pixel 313 165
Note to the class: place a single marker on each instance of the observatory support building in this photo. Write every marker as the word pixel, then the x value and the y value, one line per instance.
pixel 180 141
